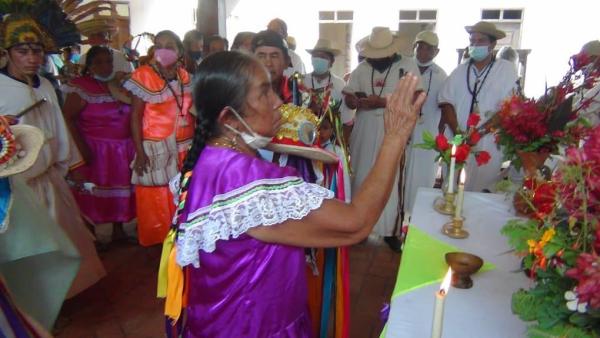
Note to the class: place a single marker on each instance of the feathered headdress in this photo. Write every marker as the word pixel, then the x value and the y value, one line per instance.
pixel 53 23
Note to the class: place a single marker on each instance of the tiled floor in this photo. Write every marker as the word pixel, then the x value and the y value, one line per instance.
pixel 124 305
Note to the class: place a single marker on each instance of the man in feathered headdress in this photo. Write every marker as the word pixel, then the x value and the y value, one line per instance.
pixel 30 99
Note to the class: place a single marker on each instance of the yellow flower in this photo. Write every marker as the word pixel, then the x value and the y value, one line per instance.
pixel 532 244
pixel 548 234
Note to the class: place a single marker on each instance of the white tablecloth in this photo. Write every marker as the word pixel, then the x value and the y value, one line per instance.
pixel 483 311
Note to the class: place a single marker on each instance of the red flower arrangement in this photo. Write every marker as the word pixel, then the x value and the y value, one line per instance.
pixel 464 142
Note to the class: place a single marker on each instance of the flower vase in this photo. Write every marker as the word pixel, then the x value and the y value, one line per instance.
pixel 530 162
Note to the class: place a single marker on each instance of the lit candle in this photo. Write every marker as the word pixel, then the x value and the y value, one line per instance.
pixel 438 312
pixel 461 194
pixel 451 173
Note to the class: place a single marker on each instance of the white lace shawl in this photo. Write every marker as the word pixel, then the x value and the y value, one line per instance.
pixel 260 203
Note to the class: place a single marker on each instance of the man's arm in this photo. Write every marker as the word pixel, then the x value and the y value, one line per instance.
pixel 448 118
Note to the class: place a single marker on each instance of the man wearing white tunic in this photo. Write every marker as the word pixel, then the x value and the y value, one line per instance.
pixel 369 83
pixel 479 85
pixel 21 87
pixel 592 95
pixel 420 168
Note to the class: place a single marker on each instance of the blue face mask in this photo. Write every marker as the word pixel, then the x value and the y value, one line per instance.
pixel 478 53
pixel 75 58
pixel 320 65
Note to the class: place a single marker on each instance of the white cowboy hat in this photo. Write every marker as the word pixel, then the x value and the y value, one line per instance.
pixel 20 147
pixel 324 45
pixel 381 43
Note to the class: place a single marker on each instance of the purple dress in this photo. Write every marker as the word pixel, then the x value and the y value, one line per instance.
pixel 240 286
pixel 105 126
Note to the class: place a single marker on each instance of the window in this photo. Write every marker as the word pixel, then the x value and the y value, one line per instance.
pixel 414 21
pixel 508 20
pixel 336 16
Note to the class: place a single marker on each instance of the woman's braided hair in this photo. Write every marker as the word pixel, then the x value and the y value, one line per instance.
pixel 222 80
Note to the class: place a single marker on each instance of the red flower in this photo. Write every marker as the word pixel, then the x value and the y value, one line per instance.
pixel 474 138
pixel 462 152
pixel 473 120
pixel 442 142
pixel 482 157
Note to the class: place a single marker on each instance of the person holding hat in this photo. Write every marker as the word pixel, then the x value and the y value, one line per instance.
pixel 419 168
pixel 369 84
pixel 295 64
pixel 321 83
pixel 121 64
pixel 38 262
pixel 32 98
pixel 478 87
pixel 100 125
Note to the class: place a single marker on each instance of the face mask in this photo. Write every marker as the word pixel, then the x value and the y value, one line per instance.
pixel 105 78
pixel 75 58
pixel 253 140
pixel 165 57
pixel 382 64
pixel 320 65
pixel 196 55
pixel 478 53
pixel 424 64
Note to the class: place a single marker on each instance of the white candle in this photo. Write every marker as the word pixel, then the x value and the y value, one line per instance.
pixel 451 173
pixel 438 311
pixel 461 194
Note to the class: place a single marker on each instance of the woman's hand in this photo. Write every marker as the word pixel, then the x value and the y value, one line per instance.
pixel 401 112
pixel 141 163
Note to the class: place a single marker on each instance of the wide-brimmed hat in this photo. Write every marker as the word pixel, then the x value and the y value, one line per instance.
pixel 591 48
pixel 298 135
pixel 428 37
pixel 19 147
pixel 324 45
pixel 486 28
pixel 382 43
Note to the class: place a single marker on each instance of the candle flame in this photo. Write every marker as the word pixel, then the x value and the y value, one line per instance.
pixel 463 176
pixel 453 149
pixel 446 282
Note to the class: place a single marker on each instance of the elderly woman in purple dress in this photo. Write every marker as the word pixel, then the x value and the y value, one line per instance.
pixel 243 221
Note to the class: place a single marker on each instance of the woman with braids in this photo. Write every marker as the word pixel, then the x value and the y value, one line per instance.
pixel 100 125
pixel 162 128
pixel 242 222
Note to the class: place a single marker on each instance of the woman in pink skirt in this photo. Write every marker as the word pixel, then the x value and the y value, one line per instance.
pixel 100 125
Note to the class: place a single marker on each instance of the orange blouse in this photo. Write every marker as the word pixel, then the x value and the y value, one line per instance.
pixel 161 114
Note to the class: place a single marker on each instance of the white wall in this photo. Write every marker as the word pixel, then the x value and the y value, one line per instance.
pixel 552 29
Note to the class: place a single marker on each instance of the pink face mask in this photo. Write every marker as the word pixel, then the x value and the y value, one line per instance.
pixel 165 57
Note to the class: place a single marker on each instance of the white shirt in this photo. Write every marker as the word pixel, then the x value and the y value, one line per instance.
pixel 316 83
pixel 120 62
pixel 297 64
pixel 499 84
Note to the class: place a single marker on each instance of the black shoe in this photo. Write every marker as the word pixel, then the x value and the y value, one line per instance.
pixel 394 243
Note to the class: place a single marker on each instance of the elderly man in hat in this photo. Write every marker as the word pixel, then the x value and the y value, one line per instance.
pixel 32 97
pixel 478 87
pixel 419 168
pixel 366 91
pixel 270 48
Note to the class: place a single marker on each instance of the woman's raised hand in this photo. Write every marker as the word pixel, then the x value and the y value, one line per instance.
pixel 402 108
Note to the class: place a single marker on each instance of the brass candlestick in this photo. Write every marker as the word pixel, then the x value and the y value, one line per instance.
pixel 445 205
pixel 454 228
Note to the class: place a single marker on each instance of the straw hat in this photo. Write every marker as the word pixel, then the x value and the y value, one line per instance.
pixel 298 135
pixel 382 43
pixel 19 147
pixel 428 37
pixel 486 28
pixel 591 48
pixel 324 45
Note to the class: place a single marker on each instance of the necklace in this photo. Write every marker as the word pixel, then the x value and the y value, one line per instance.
pixel 168 84
pixel 312 81
pixel 384 80
pixel 478 85
pixel 226 142
pixel 428 89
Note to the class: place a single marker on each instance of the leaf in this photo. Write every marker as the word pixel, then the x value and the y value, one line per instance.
pixel 551 249
pixel 519 232
pixel 558 331
pixel 428 137
pixel 457 140
pixel 559 118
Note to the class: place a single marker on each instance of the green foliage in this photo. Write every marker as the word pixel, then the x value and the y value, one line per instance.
pixel 519 232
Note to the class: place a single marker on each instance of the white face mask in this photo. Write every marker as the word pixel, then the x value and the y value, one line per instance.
pixel 253 140
pixel 424 64
pixel 105 79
